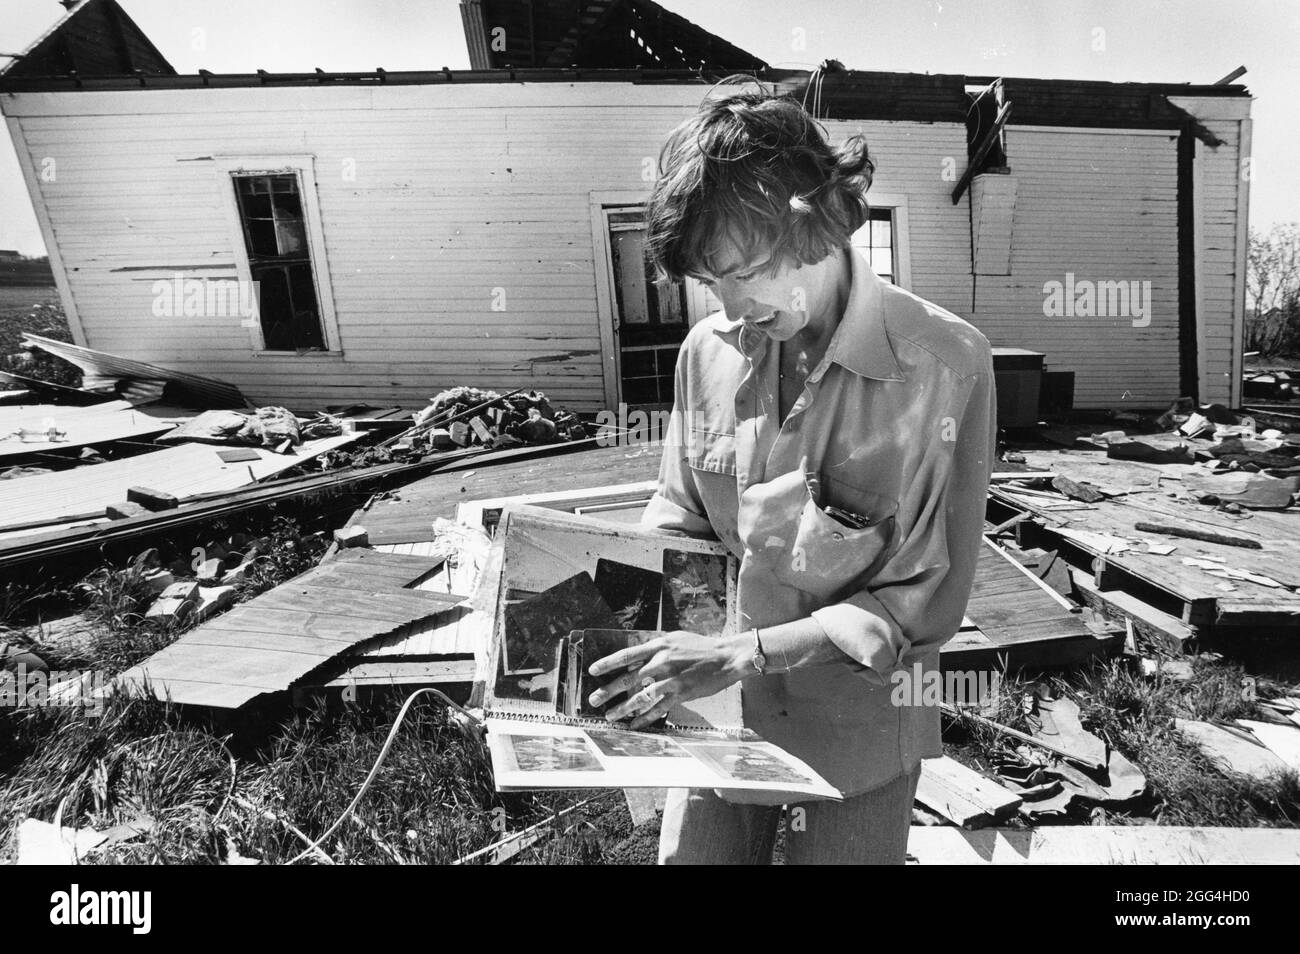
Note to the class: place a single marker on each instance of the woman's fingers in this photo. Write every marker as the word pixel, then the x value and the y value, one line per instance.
pixel 624 659
pixel 628 682
pixel 649 704
pixel 667 699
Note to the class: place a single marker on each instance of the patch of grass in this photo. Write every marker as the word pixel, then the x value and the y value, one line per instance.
pixel 35 310
pixel 1135 716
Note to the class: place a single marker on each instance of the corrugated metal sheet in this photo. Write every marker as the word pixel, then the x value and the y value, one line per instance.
pixel 205 392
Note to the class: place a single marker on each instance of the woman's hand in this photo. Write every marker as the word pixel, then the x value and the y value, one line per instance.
pixel 670 669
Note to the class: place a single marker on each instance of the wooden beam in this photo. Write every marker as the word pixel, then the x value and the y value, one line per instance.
pixel 1236 74
pixel 963 796
pixel 985 145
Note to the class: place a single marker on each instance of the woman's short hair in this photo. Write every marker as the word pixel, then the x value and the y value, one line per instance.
pixel 754 167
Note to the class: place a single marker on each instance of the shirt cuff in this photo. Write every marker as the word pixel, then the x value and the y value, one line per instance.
pixel 863 630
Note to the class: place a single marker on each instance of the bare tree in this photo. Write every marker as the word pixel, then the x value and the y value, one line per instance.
pixel 1273 291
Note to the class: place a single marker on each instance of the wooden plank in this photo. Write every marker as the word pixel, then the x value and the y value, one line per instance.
pixel 406 673
pixel 71 539
pixel 409 518
pixel 1147 500
pixel 962 795
pixel 1021 621
pixel 1172 630
pixel 1105 845
pixel 83 426
pixel 277 638
pixel 184 472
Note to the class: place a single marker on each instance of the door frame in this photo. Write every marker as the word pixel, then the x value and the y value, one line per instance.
pixel 600 204
pixel 607 318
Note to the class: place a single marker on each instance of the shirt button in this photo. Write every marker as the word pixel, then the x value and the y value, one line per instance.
pixel 837 535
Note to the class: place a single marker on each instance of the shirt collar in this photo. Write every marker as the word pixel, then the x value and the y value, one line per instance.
pixel 861 342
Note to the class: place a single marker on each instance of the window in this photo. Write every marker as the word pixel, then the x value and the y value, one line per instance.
pixel 876 239
pixel 279 261
pixel 883 239
pixel 274 217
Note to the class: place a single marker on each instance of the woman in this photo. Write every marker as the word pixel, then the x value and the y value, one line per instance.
pixel 836 433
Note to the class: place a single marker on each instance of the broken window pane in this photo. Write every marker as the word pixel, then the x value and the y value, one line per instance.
pixel 279 256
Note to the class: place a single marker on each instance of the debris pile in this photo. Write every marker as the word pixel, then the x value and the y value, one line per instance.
pixel 505 420
pixel 271 427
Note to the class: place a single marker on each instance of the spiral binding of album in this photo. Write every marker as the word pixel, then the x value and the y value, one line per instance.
pixel 673 728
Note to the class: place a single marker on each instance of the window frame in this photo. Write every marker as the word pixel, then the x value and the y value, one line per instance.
pixel 897 204
pixel 303 167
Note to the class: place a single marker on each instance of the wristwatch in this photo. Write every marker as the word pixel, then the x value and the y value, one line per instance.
pixel 759 659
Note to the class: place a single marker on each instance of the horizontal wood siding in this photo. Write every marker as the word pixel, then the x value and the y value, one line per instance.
pixel 913 160
pixel 1103 206
pixel 457 204
pixel 465 197
pixel 451 212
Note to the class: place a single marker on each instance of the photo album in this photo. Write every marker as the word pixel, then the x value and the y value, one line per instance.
pixel 569 590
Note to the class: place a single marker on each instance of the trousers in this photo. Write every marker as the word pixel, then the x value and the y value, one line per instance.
pixel 700 828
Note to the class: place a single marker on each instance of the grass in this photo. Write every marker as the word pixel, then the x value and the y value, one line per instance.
pixel 261 785
pixel 214 788
pixel 1135 716
pixel 35 310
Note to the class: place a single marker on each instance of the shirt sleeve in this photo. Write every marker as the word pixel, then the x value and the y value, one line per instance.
pixel 915 603
pixel 676 504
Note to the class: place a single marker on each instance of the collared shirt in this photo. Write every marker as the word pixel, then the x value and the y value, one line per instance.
pixel 894 425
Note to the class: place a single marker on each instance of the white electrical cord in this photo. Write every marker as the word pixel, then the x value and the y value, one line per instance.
pixel 374 770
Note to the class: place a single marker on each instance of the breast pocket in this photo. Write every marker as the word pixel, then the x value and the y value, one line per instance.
pixel 788 531
pixel 711 451
pixel 828 553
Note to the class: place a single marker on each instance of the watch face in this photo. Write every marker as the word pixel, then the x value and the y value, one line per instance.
pixel 760 660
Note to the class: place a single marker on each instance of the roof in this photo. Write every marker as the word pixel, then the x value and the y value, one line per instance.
pixel 94 38
pixel 639 42
pixel 592 33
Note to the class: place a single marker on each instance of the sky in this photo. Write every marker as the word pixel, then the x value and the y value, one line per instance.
pixel 1174 41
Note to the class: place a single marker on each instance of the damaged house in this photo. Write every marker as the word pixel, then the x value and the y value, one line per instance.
pixel 415 230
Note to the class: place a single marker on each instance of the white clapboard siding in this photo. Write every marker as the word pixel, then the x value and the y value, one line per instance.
pixel 1104 206
pixel 437 200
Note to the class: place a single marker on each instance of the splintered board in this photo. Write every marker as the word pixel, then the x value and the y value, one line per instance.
pixel 540 549
pixel 273 640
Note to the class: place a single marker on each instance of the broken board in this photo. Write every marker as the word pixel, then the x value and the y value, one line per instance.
pixel 963 796
pixel 272 641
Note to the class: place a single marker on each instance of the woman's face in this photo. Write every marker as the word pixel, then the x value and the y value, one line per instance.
pixel 778 305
